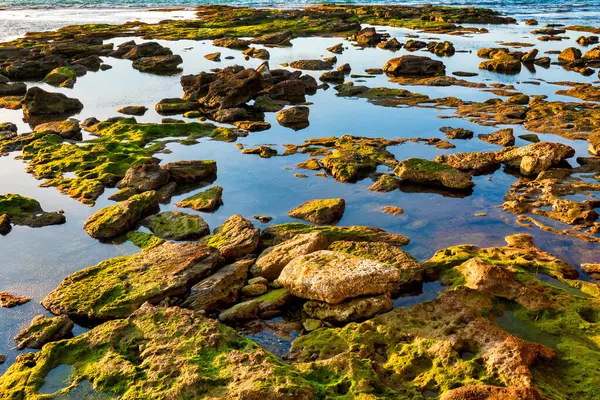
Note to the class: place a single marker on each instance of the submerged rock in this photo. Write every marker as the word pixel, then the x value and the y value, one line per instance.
pixel 26 211
pixel 419 170
pixel 118 286
pixel 117 219
pixel 175 225
pixel 207 200
pixel 44 330
pixel 272 260
pixel 323 211
pixel 220 289
pixel 333 277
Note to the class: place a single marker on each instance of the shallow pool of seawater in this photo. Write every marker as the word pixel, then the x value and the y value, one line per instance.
pixel 34 261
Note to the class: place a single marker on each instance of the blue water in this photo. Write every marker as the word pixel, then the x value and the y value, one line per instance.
pixel 501 5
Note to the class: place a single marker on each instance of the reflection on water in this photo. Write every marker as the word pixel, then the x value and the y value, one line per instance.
pixel 429 292
pixel 525 330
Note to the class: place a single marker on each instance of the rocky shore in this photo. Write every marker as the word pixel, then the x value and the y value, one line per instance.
pixel 175 318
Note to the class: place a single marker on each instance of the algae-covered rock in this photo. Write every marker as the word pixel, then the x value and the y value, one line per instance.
pixel 116 287
pixel 220 289
pixel 272 260
pixel 5 226
pixel 414 65
pixel 256 307
pixel 532 159
pixel 160 353
pixel 254 290
pixel 419 170
pixel 175 225
pixel 38 102
pixel 145 176
pixel 133 110
pixel 207 200
pixel 115 220
pixel 160 65
pixel 503 137
pixel 312 65
pixel 280 233
pixel 333 277
pixel 193 171
pixel 321 211
pixel 478 162
pixel 44 330
pixel 172 106
pixel 26 211
pixel 385 183
pixel 502 62
pixel 294 117
pixel 350 310
pixel 383 252
pixel 235 238
pixel 68 129
pixel 61 76
pixel 9 300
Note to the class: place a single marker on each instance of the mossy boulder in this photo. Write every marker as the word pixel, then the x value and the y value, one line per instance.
pixel 26 211
pixel 44 330
pixel 321 211
pixel 133 110
pixel 67 129
pixel 174 106
pixel 333 277
pixel 235 238
pixel 193 171
pixel 115 220
pixel 38 102
pixel 61 76
pixel 207 200
pixel 118 286
pixel 159 353
pixel 175 225
pixel 160 65
pixel 423 171
pixel 147 175
pixel 414 65
pixel 385 183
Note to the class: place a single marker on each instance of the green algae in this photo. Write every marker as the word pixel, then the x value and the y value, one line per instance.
pixel 207 200
pixel 118 286
pixel 158 353
pixel 143 240
pixel 278 233
pixel 101 162
pixel 27 211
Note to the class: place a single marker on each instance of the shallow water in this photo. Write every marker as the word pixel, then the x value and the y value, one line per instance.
pixel 34 261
